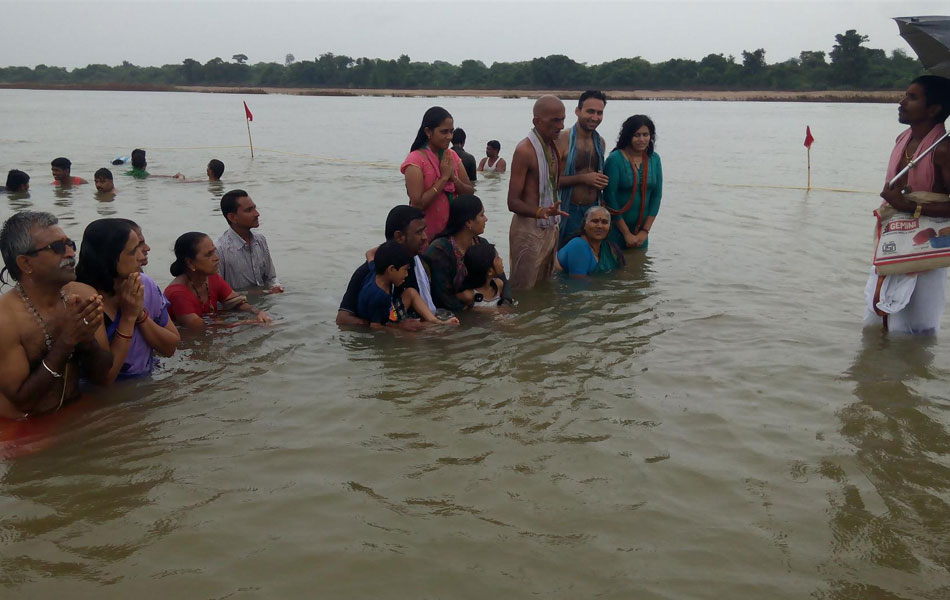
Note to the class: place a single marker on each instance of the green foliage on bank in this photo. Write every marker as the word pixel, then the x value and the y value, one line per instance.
pixel 850 65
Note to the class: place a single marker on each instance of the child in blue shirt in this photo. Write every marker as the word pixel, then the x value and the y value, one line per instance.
pixel 378 301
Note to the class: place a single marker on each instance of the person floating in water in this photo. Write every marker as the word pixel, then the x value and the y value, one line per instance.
pixel 214 170
pixel 139 167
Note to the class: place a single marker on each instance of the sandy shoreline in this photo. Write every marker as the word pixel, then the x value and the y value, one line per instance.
pixel 880 96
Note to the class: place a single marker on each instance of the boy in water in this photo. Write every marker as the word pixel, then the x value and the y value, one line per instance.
pixel 215 170
pixel 17 181
pixel 381 302
pixel 104 183
pixel 138 165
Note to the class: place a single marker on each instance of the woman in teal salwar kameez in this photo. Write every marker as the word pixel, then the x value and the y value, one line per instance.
pixel 635 172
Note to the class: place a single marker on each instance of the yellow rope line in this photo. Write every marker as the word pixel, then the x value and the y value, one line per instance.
pixel 787 187
pixel 331 159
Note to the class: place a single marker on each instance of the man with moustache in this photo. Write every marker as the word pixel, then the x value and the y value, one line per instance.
pixel 48 332
pixel 535 168
pixel 582 178
pixel 914 303
pixel 245 260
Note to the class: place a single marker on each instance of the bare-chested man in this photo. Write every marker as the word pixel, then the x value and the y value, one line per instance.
pixel 47 332
pixel 582 175
pixel 535 168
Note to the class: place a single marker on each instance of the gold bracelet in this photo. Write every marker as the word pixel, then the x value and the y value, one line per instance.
pixel 537 213
pixel 917 210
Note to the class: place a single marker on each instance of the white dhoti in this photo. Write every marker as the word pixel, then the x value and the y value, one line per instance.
pixel 913 303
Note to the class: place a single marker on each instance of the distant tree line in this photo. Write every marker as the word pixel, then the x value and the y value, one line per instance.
pixel 850 65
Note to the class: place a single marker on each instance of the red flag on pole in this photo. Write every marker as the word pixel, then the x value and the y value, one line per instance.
pixel 250 117
pixel 808 136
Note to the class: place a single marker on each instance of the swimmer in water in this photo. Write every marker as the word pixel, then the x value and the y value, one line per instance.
pixel 61 167
pixel 105 188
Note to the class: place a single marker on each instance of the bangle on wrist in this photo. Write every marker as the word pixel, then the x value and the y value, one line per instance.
pixel 917 209
pixel 122 335
pixel 51 371
pixel 142 317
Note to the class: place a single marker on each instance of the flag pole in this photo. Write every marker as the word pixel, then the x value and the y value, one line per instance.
pixel 809 140
pixel 248 117
pixel 249 141
pixel 809 166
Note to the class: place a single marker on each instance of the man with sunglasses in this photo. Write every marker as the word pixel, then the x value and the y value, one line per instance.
pixel 48 332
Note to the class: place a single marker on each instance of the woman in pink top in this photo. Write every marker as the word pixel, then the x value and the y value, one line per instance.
pixel 432 172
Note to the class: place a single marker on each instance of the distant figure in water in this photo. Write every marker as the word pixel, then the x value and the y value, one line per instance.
pixel 468 161
pixel 139 165
pixel 215 170
pixel 492 163
pixel 914 303
pixel 62 177
pixel 104 184
pixel 17 182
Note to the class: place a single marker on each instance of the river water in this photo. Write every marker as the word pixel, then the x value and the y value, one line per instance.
pixel 709 423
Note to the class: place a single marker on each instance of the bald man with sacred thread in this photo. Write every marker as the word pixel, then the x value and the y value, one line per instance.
pixel 535 168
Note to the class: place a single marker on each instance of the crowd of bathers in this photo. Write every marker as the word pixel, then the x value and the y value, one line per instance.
pixel 576 209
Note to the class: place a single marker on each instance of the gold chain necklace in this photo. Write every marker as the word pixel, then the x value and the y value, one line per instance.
pixel 47 338
pixel 197 293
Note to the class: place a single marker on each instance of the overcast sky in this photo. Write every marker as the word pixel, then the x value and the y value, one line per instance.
pixel 155 32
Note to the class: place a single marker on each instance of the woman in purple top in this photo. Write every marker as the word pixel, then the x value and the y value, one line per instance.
pixel 136 313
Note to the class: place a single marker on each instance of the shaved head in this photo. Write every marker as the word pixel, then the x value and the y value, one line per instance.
pixel 547 103
pixel 548 117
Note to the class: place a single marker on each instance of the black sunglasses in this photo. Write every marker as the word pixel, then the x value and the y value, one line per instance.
pixel 59 247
